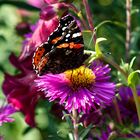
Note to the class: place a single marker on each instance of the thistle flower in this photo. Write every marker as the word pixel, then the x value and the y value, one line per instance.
pixel 80 88
pixel 5 113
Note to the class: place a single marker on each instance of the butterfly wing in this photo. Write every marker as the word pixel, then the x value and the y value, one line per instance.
pixel 63 50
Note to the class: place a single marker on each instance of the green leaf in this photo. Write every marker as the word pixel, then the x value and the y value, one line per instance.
pixel 19 4
pixel 112 135
pixel 135 36
pixel 71 136
pixel 85 132
pixel 68 120
pixel 98 51
pixel 133 78
pixel 88 39
pixel 134 10
pixel 92 56
pixel 109 21
pixel 27 130
pixel 132 62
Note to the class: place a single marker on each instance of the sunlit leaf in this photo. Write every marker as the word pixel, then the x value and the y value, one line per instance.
pixel 109 22
pixel 88 39
pixel 132 62
pixel 133 78
pixel 97 48
pixel 134 10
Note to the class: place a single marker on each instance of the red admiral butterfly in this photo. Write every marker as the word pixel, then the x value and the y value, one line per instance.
pixel 64 49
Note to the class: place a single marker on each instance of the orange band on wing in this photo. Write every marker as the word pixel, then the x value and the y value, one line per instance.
pixel 75 46
pixel 38 55
pixel 64 45
pixel 42 63
pixel 54 41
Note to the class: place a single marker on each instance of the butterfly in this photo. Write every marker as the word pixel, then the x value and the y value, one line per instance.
pixel 64 49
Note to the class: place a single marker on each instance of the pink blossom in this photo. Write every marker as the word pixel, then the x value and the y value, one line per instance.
pixel 36 3
pixel 20 89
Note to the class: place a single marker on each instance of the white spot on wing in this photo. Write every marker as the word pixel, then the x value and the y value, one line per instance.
pixel 64 28
pixel 76 35
pixel 68 35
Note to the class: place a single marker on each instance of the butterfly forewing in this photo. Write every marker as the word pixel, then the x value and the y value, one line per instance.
pixel 63 50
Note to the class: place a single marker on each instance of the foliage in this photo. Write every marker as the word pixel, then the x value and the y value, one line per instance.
pixel 109 18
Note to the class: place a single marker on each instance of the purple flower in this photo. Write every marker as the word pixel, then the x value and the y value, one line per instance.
pixel 51 10
pixel 127 105
pixel 93 117
pixel 5 113
pixel 105 134
pixel 82 88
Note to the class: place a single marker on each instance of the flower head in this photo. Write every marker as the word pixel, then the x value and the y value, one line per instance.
pixel 80 88
pixel 5 113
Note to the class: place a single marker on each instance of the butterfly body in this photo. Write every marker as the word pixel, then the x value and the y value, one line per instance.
pixel 64 49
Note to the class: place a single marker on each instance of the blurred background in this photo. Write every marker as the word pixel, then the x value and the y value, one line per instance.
pixel 16 14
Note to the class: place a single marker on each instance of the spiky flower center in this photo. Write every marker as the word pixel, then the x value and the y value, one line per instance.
pixel 80 77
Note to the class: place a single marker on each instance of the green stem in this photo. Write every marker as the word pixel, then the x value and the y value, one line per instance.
pixel 75 124
pixel 117 110
pixel 136 99
pixel 79 14
pixel 115 65
pixel 134 135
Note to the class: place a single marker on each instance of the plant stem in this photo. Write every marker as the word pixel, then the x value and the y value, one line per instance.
pixel 119 119
pixel 79 14
pixel 133 134
pixel 136 99
pixel 128 28
pixel 75 125
pixel 89 18
pixel 115 65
